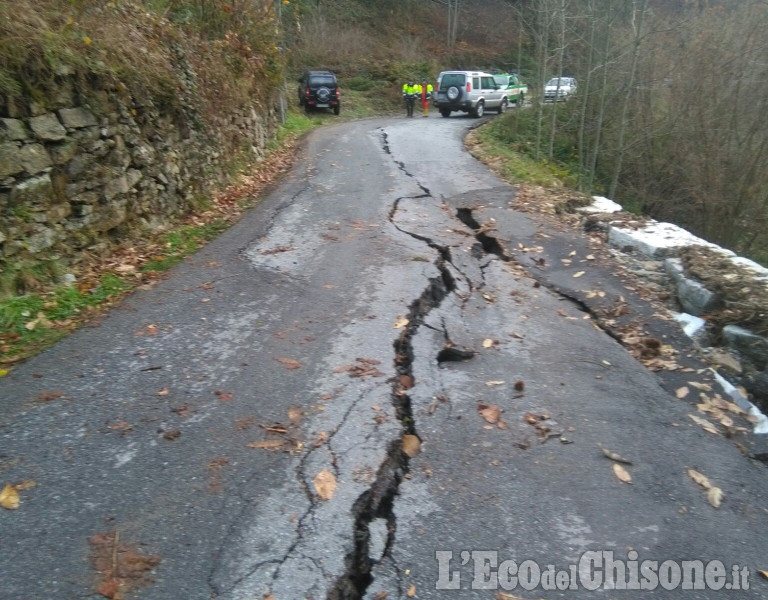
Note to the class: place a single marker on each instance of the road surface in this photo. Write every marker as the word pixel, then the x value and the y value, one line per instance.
pixel 372 295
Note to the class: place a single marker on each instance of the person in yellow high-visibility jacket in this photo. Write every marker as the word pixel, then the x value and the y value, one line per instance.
pixel 425 92
pixel 410 92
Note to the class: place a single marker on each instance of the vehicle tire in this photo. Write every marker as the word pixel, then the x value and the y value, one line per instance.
pixel 445 112
pixel 520 100
pixel 479 110
pixel 336 110
pixel 503 106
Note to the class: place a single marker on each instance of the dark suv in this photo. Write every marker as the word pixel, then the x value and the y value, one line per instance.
pixel 319 89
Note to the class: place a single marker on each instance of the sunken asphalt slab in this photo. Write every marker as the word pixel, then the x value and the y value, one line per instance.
pixel 365 231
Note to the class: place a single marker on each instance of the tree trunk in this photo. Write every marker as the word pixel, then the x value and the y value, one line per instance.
pixel 560 58
pixel 639 18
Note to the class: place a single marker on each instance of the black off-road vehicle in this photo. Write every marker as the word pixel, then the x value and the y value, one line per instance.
pixel 319 89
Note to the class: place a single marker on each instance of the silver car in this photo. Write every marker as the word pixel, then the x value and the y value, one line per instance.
pixel 471 92
pixel 559 91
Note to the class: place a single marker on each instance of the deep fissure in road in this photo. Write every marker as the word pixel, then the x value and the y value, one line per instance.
pixel 491 245
pixel 378 501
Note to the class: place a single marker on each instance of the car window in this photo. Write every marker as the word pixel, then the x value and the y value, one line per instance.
pixel 451 79
pixel 475 83
pixel 502 80
pixel 488 83
pixel 322 80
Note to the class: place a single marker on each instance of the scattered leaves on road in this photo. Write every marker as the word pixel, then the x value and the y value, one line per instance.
pixel 289 363
pixel 411 445
pixel 490 412
pixel 682 392
pixel 714 494
pixel 489 342
pixel 121 567
pixel 622 474
pixel 223 396
pixel 579 274
pixel 615 457
pixel 494 383
pixel 364 367
pixel 267 444
pixel 325 484
pixel 9 497
pixel 43 397
pixel 381 596
pixel 411 591
pixel 400 323
pixel 704 424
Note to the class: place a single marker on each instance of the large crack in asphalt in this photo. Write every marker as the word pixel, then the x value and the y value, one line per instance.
pixel 492 246
pixel 377 502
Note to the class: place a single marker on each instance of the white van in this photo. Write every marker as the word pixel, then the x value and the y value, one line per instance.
pixel 469 91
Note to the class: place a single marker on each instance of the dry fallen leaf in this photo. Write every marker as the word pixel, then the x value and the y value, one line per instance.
pixel 763 573
pixel 294 414
pixel 699 478
pixel 493 383
pixel 381 596
pixel 267 444
pixel 715 496
pixel 163 392
pixel 579 274
pixel 622 474
pixel 400 323
pixel 488 342
pixel 411 591
pixel 411 445
pixel 706 425
pixel 702 387
pixel 489 412
pixel 325 484
pixel 505 596
pixel 615 457
pixel 9 497
pixel 289 363
pixel 682 392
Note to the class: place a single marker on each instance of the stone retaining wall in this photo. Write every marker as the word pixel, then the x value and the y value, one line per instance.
pixel 90 167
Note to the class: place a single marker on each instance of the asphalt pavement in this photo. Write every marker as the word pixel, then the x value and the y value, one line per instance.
pixel 242 421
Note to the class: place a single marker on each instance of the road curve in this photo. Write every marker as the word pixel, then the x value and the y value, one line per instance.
pixel 348 309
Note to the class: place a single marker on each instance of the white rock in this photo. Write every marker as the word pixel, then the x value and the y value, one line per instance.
pixel 692 326
pixel 656 240
pixel 601 204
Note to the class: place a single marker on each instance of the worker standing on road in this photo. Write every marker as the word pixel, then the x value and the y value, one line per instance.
pixel 410 91
pixel 426 96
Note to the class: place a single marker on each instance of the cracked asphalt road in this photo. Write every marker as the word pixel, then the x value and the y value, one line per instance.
pixel 382 220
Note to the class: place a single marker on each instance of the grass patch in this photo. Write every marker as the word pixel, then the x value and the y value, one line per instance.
pixel 183 242
pixel 32 322
pixel 491 144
